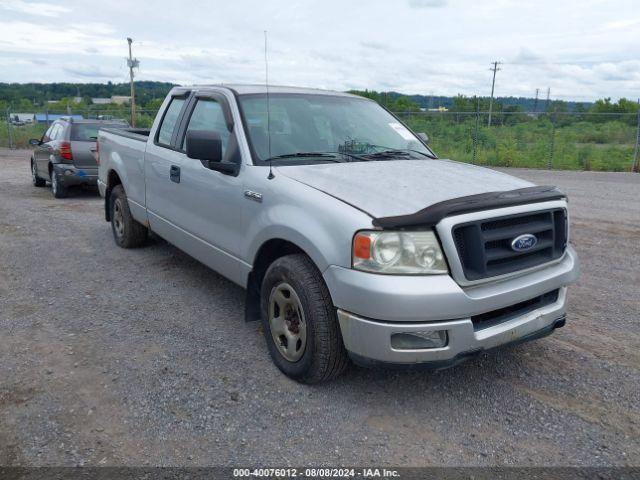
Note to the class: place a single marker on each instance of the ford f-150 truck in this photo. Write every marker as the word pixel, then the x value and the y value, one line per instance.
pixel 352 239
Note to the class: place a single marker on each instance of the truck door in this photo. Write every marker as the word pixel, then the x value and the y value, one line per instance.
pixel 205 211
pixel 211 202
pixel 161 189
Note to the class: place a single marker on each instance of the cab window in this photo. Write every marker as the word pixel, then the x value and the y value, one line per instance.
pixel 208 115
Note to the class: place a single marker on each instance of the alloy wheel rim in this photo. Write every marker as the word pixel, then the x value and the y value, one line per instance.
pixel 118 221
pixel 287 322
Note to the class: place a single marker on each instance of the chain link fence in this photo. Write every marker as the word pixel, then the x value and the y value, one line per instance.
pixel 15 131
pixel 561 140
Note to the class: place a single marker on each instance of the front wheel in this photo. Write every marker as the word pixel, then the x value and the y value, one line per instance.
pixel 127 232
pixel 299 320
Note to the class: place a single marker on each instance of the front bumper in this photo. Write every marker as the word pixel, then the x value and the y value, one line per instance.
pixel 70 175
pixel 369 341
pixel 371 308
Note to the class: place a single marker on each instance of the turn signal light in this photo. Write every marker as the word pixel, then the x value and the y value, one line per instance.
pixel 362 247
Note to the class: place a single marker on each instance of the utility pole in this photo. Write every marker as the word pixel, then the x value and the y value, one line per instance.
pixel 132 63
pixel 9 133
pixel 546 104
pixel 535 103
pixel 493 85
pixel 634 166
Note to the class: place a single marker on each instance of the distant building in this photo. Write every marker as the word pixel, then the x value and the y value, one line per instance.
pixel 115 99
pixel 439 109
pixel 120 99
pixel 44 118
pixel 21 118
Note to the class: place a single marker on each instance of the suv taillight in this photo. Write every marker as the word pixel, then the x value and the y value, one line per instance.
pixel 65 152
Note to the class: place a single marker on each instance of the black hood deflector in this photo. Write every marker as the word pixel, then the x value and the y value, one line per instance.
pixel 430 216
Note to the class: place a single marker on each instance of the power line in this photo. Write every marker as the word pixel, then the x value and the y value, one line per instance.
pixel 493 85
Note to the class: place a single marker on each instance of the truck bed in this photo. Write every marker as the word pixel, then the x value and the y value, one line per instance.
pixel 123 150
pixel 140 134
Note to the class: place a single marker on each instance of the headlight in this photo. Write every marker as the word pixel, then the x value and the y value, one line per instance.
pixel 408 253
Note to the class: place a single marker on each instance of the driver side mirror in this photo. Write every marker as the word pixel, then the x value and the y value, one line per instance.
pixel 206 146
pixel 35 142
pixel 424 137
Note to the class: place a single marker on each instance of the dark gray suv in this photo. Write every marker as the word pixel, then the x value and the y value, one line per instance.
pixel 66 154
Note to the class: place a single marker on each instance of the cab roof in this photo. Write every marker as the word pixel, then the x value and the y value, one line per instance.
pixel 248 89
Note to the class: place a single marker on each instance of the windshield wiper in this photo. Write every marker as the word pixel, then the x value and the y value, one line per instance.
pixel 330 157
pixel 327 156
pixel 396 152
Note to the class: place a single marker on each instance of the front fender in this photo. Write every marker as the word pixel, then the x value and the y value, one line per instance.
pixel 320 225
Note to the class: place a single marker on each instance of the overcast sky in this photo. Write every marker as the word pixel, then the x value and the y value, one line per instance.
pixel 581 49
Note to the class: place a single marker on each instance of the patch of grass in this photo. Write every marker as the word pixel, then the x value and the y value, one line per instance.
pixel 603 146
pixel 21 134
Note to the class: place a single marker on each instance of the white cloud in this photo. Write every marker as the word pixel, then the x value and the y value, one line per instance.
pixel 622 23
pixel 89 71
pixel 34 8
pixel 427 3
pixel 405 46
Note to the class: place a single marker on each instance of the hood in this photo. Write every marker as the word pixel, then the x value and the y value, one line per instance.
pixel 403 187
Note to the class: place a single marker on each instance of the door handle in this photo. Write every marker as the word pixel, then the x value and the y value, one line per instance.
pixel 174 173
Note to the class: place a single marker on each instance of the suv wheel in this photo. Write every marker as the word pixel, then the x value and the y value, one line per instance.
pixel 299 320
pixel 58 190
pixel 126 231
pixel 37 181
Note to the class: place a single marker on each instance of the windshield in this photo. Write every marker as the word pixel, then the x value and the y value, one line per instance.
pixel 304 124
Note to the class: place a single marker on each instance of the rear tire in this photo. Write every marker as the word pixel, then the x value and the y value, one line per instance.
pixel 58 190
pixel 296 307
pixel 127 232
pixel 37 181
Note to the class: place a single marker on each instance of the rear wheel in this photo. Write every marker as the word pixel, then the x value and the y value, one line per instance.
pixel 58 190
pixel 299 320
pixel 126 231
pixel 37 181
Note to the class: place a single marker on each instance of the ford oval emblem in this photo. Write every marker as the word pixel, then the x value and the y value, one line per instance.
pixel 524 242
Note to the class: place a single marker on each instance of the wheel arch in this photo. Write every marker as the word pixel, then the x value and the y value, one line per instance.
pixel 266 254
pixel 113 179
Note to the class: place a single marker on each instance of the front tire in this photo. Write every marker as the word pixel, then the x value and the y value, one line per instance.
pixel 127 232
pixel 37 181
pixel 299 320
pixel 58 190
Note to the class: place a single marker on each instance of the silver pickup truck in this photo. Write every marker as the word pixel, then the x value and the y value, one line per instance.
pixel 351 238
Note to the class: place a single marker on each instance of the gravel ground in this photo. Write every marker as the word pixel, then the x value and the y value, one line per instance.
pixel 142 357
